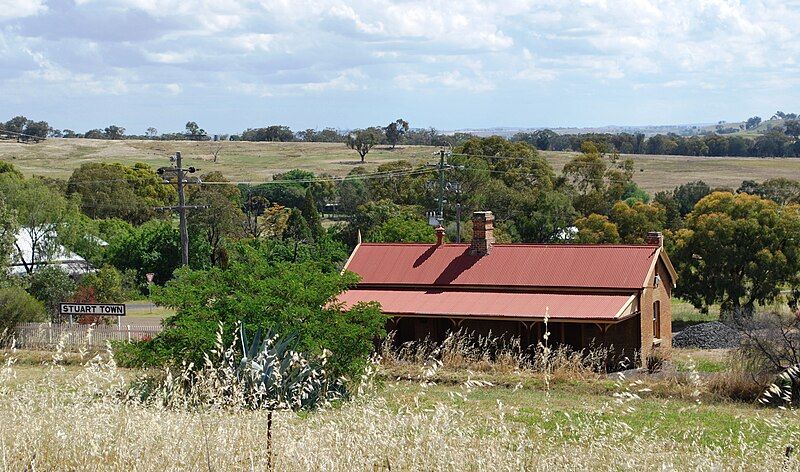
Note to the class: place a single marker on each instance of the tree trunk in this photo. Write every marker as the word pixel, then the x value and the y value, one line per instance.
pixel 737 314
pixel 28 268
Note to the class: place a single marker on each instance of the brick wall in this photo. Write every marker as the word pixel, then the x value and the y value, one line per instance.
pixel 651 294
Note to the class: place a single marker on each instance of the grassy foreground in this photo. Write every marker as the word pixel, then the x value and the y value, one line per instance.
pixel 74 417
pixel 251 161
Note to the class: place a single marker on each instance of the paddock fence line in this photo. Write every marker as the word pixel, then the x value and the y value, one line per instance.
pixel 49 335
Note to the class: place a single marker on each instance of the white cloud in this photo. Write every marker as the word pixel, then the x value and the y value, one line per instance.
pixel 291 48
pixel 349 80
pixel 13 9
pixel 170 57
pixel 465 25
pixel 600 39
pixel 253 41
pixel 455 80
pixel 531 71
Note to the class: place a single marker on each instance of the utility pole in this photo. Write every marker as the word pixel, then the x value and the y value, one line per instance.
pixel 182 206
pixel 456 187
pixel 458 222
pixel 182 211
pixel 444 186
pixel 440 215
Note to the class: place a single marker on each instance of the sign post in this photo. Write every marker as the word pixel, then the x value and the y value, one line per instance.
pixel 150 276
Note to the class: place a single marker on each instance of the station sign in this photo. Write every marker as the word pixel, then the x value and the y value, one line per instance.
pixel 97 309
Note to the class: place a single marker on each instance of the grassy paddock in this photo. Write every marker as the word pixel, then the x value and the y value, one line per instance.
pixel 145 308
pixel 656 172
pixel 708 361
pixel 75 418
pixel 685 314
pixel 240 160
pixel 259 161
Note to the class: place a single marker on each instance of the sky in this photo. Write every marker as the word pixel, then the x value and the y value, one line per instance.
pixel 230 65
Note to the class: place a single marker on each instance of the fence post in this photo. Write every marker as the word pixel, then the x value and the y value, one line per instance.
pixel 50 333
pixel 129 333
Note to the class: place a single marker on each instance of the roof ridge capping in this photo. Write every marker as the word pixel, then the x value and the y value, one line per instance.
pixel 558 245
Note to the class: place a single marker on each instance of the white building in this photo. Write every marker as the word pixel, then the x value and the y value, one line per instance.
pixel 34 250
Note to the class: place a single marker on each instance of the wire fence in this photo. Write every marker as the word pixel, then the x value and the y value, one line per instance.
pixel 50 335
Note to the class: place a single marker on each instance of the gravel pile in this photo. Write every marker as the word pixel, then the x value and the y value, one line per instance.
pixel 713 335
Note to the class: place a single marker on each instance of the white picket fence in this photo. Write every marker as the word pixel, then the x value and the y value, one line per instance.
pixel 49 335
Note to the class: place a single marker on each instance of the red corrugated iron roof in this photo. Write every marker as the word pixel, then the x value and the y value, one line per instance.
pixel 508 265
pixel 494 304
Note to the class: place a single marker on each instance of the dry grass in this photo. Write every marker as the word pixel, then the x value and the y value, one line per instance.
pixel 656 172
pixel 79 418
pixel 259 161
pixel 684 313
pixel 475 403
pixel 249 161
pixel 463 356
pixel 145 308
pixel 75 418
pixel 704 360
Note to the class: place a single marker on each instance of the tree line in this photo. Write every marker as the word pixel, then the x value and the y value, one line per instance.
pixel 396 132
pixel 780 141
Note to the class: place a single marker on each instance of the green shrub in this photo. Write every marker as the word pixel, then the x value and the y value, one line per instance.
pixel 133 288
pixel 17 306
pixel 153 247
pixel 403 229
pixel 52 286
pixel 136 354
pixel 107 285
pixel 262 293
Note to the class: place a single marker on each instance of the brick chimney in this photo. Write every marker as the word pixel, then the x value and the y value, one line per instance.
pixel 482 233
pixel 654 238
pixel 439 235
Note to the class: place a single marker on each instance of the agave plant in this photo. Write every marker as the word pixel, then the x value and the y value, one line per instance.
pixel 785 390
pixel 273 376
pixel 266 373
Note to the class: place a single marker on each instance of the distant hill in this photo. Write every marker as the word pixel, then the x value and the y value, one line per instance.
pixel 763 127
pixel 722 127
pixel 650 130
